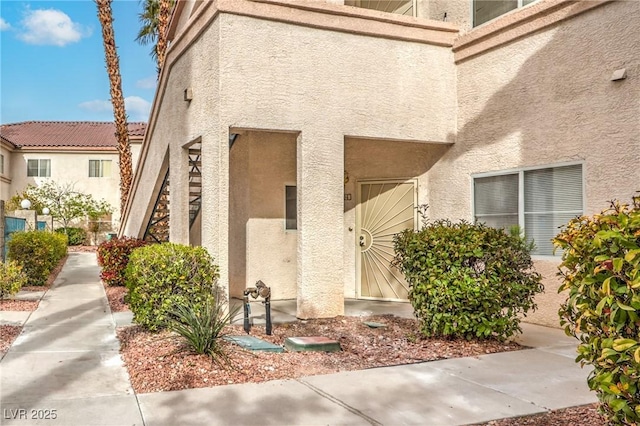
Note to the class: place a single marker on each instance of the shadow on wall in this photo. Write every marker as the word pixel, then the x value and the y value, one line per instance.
pixel 559 103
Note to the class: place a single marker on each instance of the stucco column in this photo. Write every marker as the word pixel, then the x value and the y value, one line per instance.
pixel 179 195
pixel 215 200
pixel 320 185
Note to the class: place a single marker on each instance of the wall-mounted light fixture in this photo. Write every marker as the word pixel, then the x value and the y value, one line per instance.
pixel 188 94
pixel 618 75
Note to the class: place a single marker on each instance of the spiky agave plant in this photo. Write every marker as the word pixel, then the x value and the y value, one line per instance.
pixel 202 325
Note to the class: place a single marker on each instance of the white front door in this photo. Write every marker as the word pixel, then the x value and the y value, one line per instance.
pixel 384 209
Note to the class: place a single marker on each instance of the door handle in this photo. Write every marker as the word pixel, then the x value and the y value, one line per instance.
pixel 361 240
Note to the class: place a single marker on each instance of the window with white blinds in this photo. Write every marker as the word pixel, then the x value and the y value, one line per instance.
pixel 540 201
pixel 39 168
pixel 99 168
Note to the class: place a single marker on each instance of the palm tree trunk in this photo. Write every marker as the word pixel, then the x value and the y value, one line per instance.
pixel 117 99
pixel 163 26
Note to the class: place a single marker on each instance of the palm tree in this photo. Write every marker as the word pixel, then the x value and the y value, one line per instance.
pixel 105 16
pixel 155 22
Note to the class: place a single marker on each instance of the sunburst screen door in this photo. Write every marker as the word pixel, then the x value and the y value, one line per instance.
pixel 384 209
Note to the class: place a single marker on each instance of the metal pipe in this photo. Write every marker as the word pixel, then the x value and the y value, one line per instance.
pixel 267 308
pixel 247 311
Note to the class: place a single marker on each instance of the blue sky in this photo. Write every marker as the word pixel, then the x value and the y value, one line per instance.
pixel 52 62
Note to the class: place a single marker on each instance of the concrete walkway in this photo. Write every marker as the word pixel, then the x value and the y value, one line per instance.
pixel 67 360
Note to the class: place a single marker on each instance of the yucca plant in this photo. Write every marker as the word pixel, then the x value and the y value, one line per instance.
pixel 202 324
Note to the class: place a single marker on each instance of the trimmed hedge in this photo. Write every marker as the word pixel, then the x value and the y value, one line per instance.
pixel 76 236
pixel 601 269
pixel 38 252
pixel 467 280
pixel 12 278
pixel 113 257
pixel 162 276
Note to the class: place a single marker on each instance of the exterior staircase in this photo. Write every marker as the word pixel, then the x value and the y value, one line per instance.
pixel 158 227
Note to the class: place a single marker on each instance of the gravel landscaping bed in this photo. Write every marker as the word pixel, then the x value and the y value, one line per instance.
pixel 115 295
pixel 18 305
pixel 8 334
pixel 574 416
pixel 160 361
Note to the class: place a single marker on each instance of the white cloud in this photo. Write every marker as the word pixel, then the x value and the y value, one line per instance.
pixel 4 25
pixel 96 106
pixel 138 109
pixel 51 27
pixel 147 83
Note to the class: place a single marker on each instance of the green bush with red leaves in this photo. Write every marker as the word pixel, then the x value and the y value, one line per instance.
pixel 113 257
pixel 601 269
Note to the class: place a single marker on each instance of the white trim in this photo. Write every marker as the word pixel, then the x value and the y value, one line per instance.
pixel 527 168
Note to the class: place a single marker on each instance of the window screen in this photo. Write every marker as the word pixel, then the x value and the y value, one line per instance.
pixel 551 198
pixel 496 200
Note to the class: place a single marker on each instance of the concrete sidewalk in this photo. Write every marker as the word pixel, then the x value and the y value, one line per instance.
pixel 67 360
pixel 65 367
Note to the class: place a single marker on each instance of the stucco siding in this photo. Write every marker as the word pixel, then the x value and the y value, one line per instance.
pixel 281 76
pixel 547 99
pixel 261 164
pixel 70 169
pixel 367 159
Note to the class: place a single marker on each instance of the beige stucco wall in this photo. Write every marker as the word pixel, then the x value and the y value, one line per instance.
pixel 367 159
pixel 5 178
pixel 250 73
pixel 271 251
pixel 67 167
pixel 70 168
pixel 261 164
pixel 545 99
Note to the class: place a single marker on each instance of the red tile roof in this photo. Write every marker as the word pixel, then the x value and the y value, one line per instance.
pixel 52 134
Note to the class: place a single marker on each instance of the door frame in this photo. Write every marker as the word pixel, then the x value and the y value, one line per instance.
pixel 358 253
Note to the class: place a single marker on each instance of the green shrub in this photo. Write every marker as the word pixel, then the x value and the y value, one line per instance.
pixel 38 252
pixel 601 269
pixel 76 236
pixel 113 257
pixel 162 276
pixel 12 278
pixel 201 325
pixel 467 280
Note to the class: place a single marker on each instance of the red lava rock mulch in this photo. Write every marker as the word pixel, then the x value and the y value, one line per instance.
pixel 8 334
pixel 115 295
pixel 82 249
pixel 18 305
pixel 161 362
pixel 573 416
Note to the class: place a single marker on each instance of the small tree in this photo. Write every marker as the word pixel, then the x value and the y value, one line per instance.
pixel 64 202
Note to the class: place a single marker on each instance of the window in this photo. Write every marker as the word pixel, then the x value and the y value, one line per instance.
pixel 99 168
pixel 400 7
pixel 539 201
pixel 39 168
pixel 291 207
pixel 1 164
pixel 486 10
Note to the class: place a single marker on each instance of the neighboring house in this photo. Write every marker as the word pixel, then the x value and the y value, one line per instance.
pixel 292 139
pixel 81 153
